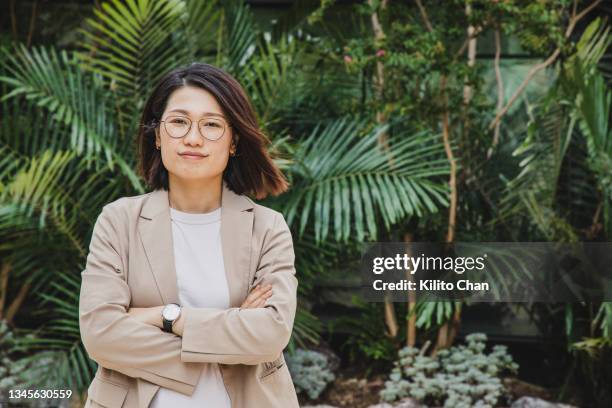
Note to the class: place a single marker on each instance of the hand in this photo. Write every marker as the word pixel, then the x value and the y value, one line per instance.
pixel 257 297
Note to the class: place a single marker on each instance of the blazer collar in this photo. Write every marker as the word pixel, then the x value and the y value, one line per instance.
pixel 155 229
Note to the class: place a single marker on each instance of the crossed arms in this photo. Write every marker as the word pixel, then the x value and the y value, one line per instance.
pixel 118 341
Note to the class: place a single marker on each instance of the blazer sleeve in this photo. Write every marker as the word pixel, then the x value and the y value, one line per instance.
pixel 249 336
pixel 112 337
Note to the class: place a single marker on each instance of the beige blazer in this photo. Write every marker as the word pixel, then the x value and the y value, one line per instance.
pixel 131 264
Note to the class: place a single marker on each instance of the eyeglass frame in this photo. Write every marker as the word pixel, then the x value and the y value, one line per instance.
pixel 227 125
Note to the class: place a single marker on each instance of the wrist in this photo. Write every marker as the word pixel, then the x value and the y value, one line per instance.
pixel 177 327
pixel 157 316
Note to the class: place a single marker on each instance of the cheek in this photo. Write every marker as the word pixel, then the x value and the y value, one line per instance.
pixel 220 159
pixel 220 152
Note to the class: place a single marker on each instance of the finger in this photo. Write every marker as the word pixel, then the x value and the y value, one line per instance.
pixel 248 301
pixel 260 303
pixel 255 294
pixel 245 304
pixel 263 295
pixel 261 288
pixel 252 297
pixel 263 299
pixel 255 289
pixel 264 302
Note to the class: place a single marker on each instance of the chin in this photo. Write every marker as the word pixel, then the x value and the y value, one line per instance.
pixel 196 176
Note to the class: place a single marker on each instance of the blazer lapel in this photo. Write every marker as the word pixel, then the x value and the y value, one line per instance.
pixel 155 228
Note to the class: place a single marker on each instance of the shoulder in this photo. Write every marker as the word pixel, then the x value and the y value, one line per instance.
pixel 266 216
pixel 127 202
pixel 125 208
pixel 263 212
pixel 270 227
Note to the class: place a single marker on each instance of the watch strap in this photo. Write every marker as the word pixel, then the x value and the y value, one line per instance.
pixel 167 325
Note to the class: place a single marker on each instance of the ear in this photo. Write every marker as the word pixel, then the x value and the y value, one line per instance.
pixel 157 137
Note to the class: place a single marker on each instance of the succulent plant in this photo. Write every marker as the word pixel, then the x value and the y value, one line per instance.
pixel 310 371
pixel 462 376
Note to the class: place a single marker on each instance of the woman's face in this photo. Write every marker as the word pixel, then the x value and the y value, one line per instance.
pixel 199 106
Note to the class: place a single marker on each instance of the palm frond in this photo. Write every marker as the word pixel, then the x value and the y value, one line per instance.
pixel 76 103
pixel 345 181
pixel 306 329
pixel 238 42
pixel 61 337
pixel 131 45
pixel 202 28
pixel 268 78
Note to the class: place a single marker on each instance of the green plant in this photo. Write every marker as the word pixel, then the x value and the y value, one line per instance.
pixel 21 373
pixel 460 377
pixel 367 338
pixel 310 371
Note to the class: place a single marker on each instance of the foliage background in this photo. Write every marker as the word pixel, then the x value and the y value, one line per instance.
pixel 385 125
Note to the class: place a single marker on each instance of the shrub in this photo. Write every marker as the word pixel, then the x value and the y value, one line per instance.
pixel 310 371
pixel 462 376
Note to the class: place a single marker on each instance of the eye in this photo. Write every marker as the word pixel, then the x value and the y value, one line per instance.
pixel 213 124
pixel 178 121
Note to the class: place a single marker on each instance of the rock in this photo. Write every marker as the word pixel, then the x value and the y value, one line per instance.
pixel 531 402
pixel 354 392
pixel 517 389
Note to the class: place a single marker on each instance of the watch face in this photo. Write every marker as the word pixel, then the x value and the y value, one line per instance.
pixel 171 311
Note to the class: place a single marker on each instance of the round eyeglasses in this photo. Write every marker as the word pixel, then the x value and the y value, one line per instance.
pixel 178 126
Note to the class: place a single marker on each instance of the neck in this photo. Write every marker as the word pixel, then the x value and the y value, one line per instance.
pixel 201 197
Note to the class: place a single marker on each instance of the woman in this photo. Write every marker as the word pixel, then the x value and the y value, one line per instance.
pixel 189 292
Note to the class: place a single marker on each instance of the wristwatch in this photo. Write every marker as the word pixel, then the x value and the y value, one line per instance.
pixel 170 313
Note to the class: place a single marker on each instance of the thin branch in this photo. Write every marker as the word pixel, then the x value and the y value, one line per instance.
pixel 376 26
pixel 379 80
pixel 500 90
pixel 412 302
pixel 450 234
pixel 534 70
pixel 16 304
pixel 424 16
pixel 466 43
pixel 32 23
pixel 424 348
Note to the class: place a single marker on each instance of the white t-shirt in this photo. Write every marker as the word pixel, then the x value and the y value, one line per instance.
pixel 201 283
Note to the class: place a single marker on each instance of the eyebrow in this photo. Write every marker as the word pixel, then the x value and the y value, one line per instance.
pixel 204 113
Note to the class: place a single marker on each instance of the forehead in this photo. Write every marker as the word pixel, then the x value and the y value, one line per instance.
pixel 193 101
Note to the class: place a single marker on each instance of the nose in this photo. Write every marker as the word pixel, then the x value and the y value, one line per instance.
pixel 193 137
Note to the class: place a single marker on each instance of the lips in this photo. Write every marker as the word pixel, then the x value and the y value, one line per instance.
pixel 193 155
